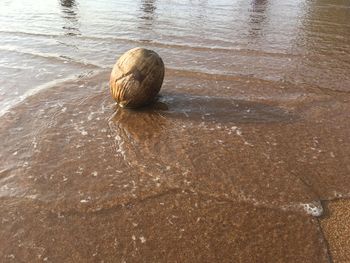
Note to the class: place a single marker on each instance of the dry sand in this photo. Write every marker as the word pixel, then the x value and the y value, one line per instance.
pixel 336 227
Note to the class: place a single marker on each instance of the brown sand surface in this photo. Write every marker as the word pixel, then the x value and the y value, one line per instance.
pixel 336 227
pixel 248 139
pixel 182 181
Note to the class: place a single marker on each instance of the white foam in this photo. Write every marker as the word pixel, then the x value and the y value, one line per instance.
pixel 34 91
pixel 142 239
pixel 314 209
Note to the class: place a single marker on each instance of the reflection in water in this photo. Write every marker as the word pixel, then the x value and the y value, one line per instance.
pixel 257 17
pixel 148 8
pixel 201 11
pixel 139 132
pixel 146 18
pixel 326 47
pixel 69 14
pixel 68 3
pixel 140 125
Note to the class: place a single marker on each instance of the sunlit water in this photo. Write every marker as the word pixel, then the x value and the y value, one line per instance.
pixel 252 125
pixel 297 41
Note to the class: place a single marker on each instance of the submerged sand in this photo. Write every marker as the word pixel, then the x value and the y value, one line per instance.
pixel 198 177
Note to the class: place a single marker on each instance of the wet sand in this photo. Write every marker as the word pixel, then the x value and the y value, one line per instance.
pixel 182 181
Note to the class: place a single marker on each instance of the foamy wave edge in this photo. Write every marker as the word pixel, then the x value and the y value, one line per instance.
pixel 42 87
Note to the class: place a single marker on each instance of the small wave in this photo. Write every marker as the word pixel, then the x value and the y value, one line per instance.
pixel 21 50
pixel 39 88
pixel 313 208
pixel 28 33
pixel 214 48
pixel 170 45
pixel 15 67
pixel 215 75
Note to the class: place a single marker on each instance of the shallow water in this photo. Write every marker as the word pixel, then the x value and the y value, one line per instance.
pixel 303 42
pixel 249 135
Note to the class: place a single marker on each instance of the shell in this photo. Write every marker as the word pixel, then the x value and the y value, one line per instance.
pixel 136 78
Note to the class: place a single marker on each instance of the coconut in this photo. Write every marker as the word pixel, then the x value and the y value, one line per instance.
pixel 136 78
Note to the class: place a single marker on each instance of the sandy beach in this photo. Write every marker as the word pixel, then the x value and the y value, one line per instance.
pixel 244 157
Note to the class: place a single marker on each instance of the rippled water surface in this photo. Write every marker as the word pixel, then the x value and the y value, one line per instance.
pixel 294 41
pixel 249 135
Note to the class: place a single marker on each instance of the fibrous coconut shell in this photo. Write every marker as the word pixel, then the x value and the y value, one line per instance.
pixel 136 78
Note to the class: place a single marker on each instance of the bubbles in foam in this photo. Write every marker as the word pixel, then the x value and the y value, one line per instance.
pixel 314 209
